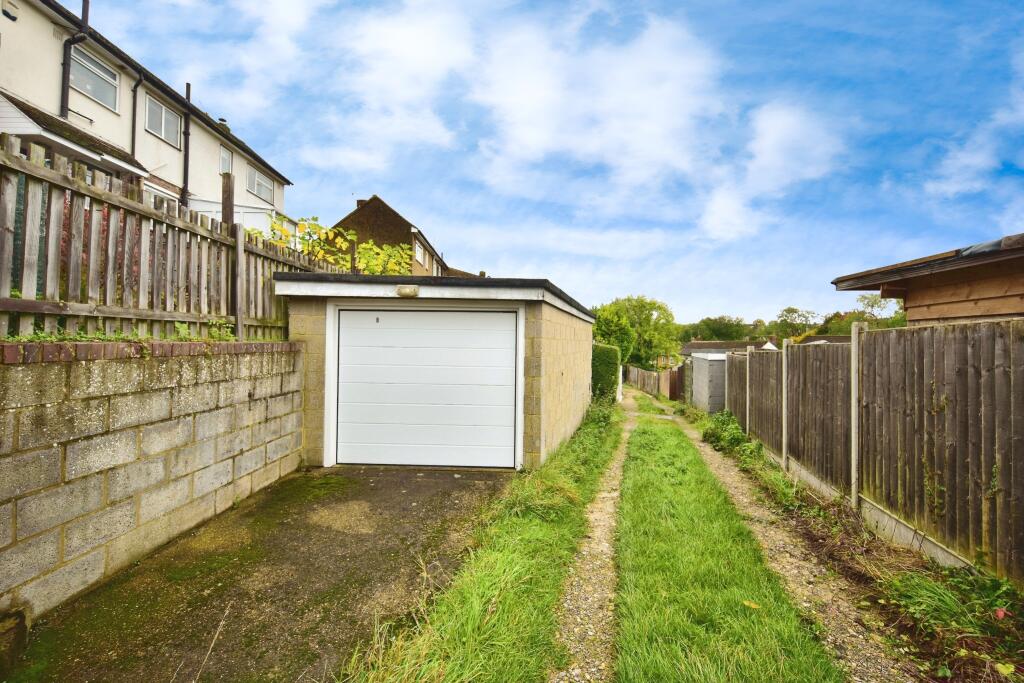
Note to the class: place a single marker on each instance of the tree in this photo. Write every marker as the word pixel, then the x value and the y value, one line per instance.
pixel 334 246
pixel 655 327
pixel 387 259
pixel 718 328
pixel 792 321
pixel 612 328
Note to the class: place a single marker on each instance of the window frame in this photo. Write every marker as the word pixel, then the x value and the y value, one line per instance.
pixel 256 175
pixel 419 251
pixel 163 117
pixel 231 160
pixel 116 82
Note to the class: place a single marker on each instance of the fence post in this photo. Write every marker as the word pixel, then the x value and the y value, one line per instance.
pixel 227 217
pixel 750 356
pixel 855 335
pixel 785 404
pixel 728 354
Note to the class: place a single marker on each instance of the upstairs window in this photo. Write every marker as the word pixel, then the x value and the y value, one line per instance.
pixel 260 185
pixel 419 252
pixel 162 122
pixel 93 78
pixel 226 159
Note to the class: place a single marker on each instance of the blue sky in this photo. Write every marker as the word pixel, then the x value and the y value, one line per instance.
pixel 725 157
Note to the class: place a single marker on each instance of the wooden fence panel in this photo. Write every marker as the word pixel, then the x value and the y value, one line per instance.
pixel 766 398
pixel 736 386
pixel 818 407
pixel 942 428
pixel 644 380
pixel 80 252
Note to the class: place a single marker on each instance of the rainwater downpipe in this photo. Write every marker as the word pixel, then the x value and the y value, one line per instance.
pixel 185 142
pixel 65 71
pixel 135 109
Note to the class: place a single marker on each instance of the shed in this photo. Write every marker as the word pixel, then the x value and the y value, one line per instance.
pixel 438 371
pixel 709 381
pixel 981 282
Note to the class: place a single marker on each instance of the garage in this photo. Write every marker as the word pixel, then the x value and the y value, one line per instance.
pixel 427 387
pixel 437 371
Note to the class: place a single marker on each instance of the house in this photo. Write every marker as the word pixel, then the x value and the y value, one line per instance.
pixel 373 219
pixel 66 86
pixel 981 282
pixel 443 371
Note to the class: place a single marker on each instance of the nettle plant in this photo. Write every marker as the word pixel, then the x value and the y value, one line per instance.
pixel 334 246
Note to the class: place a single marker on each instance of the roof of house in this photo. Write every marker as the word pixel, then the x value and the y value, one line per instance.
pixel 1009 247
pixel 70 132
pixel 374 200
pixel 702 345
pixel 826 338
pixel 441 281
pixel 456 272
pixel 152 79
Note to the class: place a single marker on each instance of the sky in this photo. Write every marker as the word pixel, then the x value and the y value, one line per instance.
pixel 724 157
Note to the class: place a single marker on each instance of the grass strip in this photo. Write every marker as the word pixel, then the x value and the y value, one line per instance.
pixel 645 404
pixel 696 601
pixel 957 624
pixel 497 619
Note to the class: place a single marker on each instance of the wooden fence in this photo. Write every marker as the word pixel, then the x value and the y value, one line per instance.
pixel 818 410
pixel 83 251
pixel 766 411
pixel 940 427
pixel 942 434
pixel 736 386
pixel 645 380
pixel 680 386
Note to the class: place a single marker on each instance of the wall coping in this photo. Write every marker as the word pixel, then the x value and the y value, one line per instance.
pixel 19 353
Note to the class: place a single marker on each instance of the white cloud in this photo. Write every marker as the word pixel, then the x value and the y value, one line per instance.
pixel 392 66
pixel 788 145
pixel 631 112
pixel 969 166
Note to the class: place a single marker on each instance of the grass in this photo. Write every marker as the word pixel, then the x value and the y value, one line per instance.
pixel 645 404
pixel 497 619
pixel 956 624
pixel 696 601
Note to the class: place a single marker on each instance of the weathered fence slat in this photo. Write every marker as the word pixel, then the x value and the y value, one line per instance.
pixel 90 253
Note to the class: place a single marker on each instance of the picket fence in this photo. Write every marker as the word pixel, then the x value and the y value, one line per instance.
pixel 81 250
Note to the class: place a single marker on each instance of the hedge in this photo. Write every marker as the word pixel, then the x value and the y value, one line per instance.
pixel 605 371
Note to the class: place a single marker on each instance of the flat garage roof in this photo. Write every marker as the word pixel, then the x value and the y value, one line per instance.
pixel 385 286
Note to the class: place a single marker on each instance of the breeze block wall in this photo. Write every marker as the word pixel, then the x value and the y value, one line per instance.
pixel 108 450
pixel 557 392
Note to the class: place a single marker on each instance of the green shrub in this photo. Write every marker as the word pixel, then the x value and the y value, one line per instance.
pixel 605 371
pixel 723 432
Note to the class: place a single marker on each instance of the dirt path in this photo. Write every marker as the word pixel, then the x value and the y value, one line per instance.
pixel 586 617
pixel 824 595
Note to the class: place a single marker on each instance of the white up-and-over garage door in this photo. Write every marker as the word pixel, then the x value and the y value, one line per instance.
pixel 427 387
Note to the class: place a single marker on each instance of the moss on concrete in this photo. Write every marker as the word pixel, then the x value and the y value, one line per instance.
pixel 295 586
